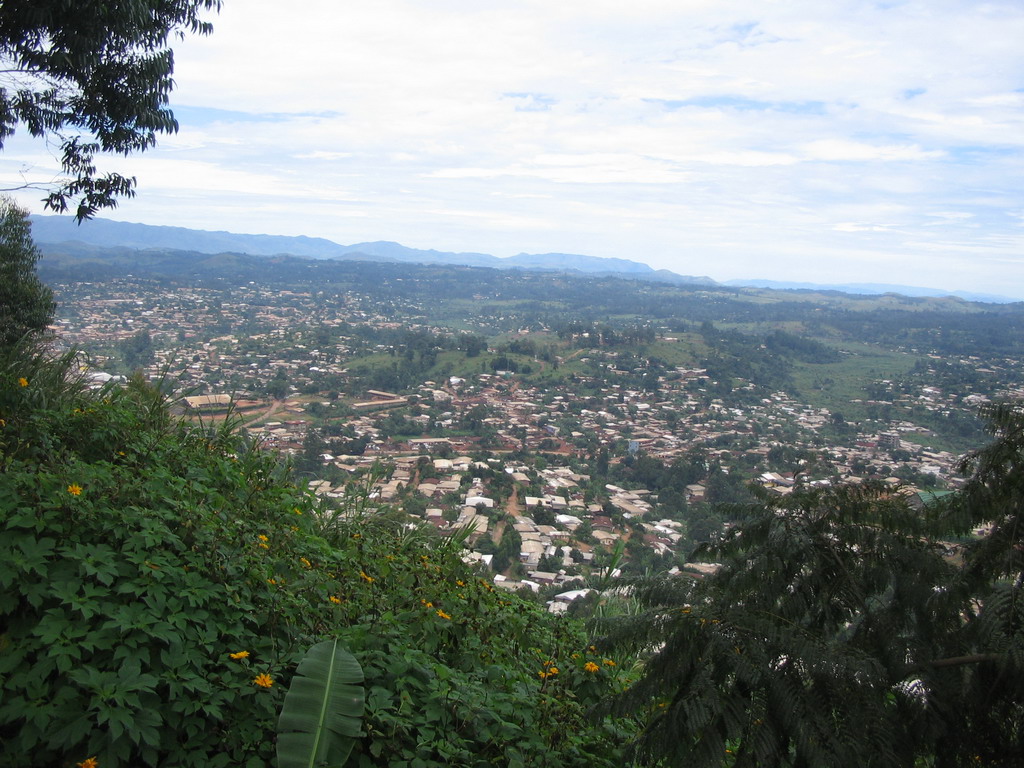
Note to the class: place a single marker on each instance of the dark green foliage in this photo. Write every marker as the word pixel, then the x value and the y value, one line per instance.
pixel 94 69
pixel 839 633
pixel 137 350
pixel 472 345
pixel 131 568
pixel 26 305
pixel 996 497
pixel 807 350
pixel 988 697
pixel 736 355
pixel 507 551
pixel 137 555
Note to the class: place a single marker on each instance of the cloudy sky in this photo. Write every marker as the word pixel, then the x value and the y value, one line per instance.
pixel 829 141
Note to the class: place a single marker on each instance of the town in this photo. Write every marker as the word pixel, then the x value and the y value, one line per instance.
pixel 557 450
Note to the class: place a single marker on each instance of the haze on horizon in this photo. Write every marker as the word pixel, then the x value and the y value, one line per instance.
pixel 804 141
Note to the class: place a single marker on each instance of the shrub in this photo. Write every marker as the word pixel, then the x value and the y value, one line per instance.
pixel 159 582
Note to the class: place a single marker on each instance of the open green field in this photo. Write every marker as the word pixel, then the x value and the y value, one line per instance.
pixel 835 385
pixel 687 350
pixel 491 316
pixel 937 442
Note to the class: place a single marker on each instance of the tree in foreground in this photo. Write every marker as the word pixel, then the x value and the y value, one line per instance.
pixel 26 304
pixel 844 629
pixel 91 77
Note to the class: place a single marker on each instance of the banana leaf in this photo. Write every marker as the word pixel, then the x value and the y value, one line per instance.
pixel 322 711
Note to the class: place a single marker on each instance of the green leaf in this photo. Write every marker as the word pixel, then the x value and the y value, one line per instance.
pixel 320 718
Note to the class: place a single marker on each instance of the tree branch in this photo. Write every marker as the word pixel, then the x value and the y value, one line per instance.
pixel 955 661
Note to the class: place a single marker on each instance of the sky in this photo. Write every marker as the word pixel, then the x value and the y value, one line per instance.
pixel 836 142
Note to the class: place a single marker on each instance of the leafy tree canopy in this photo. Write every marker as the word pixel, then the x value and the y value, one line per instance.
pixel 845 628
pixel 26 304
pixel 91 77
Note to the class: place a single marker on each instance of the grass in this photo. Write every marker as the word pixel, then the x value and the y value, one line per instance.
pixel 835 385
pixel 687 351
pixel 936 442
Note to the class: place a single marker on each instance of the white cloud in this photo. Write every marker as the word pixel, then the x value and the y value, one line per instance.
pixel 844 150
pixel 850 226
pixel 323 155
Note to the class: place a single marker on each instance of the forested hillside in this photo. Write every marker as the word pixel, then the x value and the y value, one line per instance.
pixel 514 299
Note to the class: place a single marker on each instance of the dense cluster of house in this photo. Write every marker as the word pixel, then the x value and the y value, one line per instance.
pixel 225 349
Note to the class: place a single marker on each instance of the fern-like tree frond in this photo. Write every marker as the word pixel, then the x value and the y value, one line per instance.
pixel 839 632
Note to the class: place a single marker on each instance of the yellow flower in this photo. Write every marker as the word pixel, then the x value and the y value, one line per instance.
pixel 263 545
pixel 335 600
pixel 239 655
pixel 367 579
pixel 75 489
pixel 262 537
pixel 305 562
pixel 443 615
pixel 553 671
pixel 271 581
pixel 608 663
pixel 23 382
pixel 591 667
pixel 89 762
pixel 263 681
pixel 427 604
pixel 460 583
pixel 297 511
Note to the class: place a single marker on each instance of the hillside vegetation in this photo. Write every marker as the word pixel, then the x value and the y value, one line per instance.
pixel 159 582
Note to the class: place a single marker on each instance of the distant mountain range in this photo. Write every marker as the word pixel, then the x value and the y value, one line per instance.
pixel 106 233
pixel 871 289
pixel 53 230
